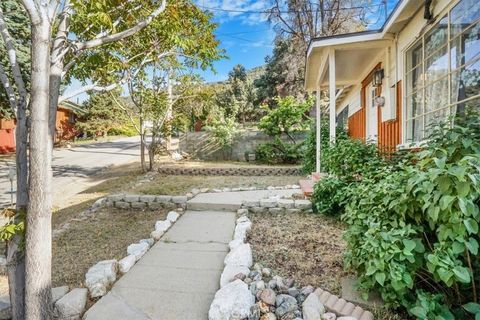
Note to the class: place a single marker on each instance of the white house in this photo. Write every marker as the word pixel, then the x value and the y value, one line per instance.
pixel 393 83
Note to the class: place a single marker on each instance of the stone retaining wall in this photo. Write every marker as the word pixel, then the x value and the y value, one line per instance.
pixel 130 201
pixel 277 206
pixel 200 145
pixel 240 171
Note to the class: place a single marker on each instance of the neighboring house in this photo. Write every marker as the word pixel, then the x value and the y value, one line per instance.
pixel 65 128
pixel 390 85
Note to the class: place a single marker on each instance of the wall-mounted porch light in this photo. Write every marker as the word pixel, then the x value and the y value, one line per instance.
pixel 380 101
pixel 377 78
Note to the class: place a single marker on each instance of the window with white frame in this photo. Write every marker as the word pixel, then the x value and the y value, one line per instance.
pixel 443 70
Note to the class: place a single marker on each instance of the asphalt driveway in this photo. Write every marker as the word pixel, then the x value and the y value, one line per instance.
pixel 73 167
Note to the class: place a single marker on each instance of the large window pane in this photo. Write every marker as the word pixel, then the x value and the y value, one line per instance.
pixel 463 15
pixel 436 37
pixel 434 119
pixel 436 95
pixel 436 66
pixel 466 47
pixel 470 104
pixel 466 82
pixel 415 103
pixel 414 129
pixel 414 80
pixel 414 56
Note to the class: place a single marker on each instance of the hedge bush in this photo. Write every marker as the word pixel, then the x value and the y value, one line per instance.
pixel 413 230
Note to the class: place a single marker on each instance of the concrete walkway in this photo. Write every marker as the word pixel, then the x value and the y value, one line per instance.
pixel 178 277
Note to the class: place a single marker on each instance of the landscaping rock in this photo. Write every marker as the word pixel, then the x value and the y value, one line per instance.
pixel 100 276
pixel 347 318
pixel 269 316
pixel 235 243
pixel 189 195
pixel 172 216
pixel 303 204
pixel 147 198
pixel 260 285
pixel 138 249
pixel 5 308
pixel 251 203
pixel 328 316
pixel 204 190
pixel 268 203
pixel 294 292
pixel 162 225
pixel 293 211
pixel 179 199
pixel 286 203
pixel 71 305
pixel 312 307
pixel 266 272
pixel 285 304
pixel 241 230
pixel 276 210
pixel 115 197
pixel 226 189
pixel 230 272
pixel 240 256
pixel 138 205
pixel 240 276
pixel 163 199
pixel 148 241
pixel 272 284
pixel 257 209
pixel 155 205
pixel 243 219
pixel 122 205
pixel 131 198
pixel 156 234
pixel 242 211
pixel 268 296
pixel 255 312
pixel 57 294
pixel 307 290
pixel 195 191
pixel 125 264
pixel 264 307
pixel 232 301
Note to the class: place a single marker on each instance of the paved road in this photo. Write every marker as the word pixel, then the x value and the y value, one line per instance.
pixel 73 167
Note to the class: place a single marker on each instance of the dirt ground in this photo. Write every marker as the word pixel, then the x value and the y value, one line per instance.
pixel 102 237
pixel 305 247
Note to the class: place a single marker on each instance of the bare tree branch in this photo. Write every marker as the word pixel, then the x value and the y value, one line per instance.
pixel 123 34
pixel 87 88
pixel 8 89
pixel 12 57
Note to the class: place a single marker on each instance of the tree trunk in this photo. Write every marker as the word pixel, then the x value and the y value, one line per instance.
pixel 15 255
pixel 142 145
pixel 39 229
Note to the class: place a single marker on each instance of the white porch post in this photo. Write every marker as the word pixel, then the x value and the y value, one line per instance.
pixel 332 94
pixel 318 127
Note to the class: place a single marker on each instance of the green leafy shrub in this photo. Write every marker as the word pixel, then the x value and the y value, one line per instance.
pixel 278 152
pixel 310 150
pixel 330 195
pixel 350 158
pixel 413 227
pixel 283 123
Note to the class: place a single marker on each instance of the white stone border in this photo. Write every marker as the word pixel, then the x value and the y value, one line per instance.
pixel 196 191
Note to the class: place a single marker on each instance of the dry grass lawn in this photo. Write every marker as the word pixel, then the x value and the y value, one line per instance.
pixel 305 247
pixel 182 184
pixel 102 237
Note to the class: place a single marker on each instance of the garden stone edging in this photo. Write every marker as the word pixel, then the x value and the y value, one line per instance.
pixel 278 205
pixel 240 171
pixel 241 289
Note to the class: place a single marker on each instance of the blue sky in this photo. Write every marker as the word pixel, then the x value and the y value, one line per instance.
pixel 246 35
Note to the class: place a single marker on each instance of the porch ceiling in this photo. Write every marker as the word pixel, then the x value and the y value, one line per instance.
pixel 351 62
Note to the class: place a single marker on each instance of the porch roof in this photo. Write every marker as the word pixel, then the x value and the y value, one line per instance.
pixel 354 51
